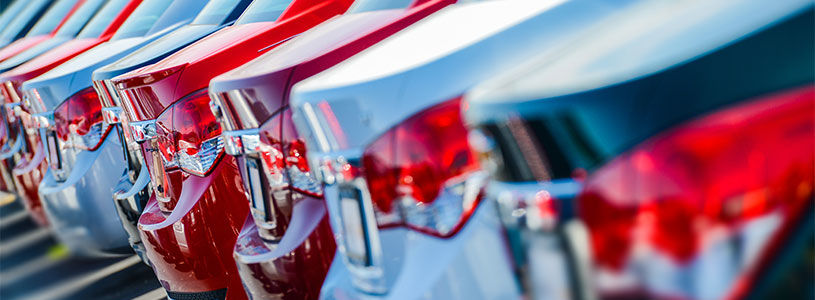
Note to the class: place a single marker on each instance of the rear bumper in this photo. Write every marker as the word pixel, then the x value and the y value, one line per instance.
pixel 294 268
pixel 190 249
pixel 81 210
pixel 27 175
pixel 473 264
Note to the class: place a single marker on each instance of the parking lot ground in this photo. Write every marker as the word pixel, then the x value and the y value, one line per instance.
pixel 33 265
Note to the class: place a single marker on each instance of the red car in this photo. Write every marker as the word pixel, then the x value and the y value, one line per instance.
pixel 198 206
pixel 31 165
pixel 286 202
pixel 48 26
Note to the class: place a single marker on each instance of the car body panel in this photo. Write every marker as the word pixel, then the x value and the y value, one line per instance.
pixel 157 86
pixel 131 192
pixel 44 29
pixel 668 124
pixel 68 30
pixel 27 183
pixel 367 96
pixel 67 79
pixel 23 21
pixel 269 79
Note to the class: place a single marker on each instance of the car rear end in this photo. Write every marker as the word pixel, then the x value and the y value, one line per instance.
pixel 288 217
pixel 668 161
pixel 131 192
pixel 386 138
pixel 29 167
pixel 197 190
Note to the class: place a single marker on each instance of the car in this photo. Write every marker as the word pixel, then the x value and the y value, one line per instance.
pixel 287 235
pixel 667 161
pixel 29 162
pixel 385 137
pixel 7 15
pixel 131 192
pixel 67 32
pixel 197 192
pixel 83 157
pixel 45 28
pixel 23 20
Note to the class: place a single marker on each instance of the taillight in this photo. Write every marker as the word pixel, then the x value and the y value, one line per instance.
pixel 198 135
pixel 78 121
pixel 283 154
pixel 294 151
pixel 270 152
pixel 719 188
pixel 188 136
pixel 418 170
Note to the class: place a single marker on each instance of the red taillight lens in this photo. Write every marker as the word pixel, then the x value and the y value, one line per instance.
pixel 165 140
pixel 284 156
pixel 294 151
pixel 79 122
pixel 271 152
pixel 742 174
pixel 195 142
pixel 199 135
pixel 420 167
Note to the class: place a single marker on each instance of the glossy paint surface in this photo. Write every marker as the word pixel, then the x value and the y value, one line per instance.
pixel 371 93
pixel 28 174
pixel 161 84
pixel 29 183
pixel 296 266
pixel 269 78
pixel 692 169
pixel 191 248
pixel 82 215
pixel 147 93
pixel 63 10
pixel 680 218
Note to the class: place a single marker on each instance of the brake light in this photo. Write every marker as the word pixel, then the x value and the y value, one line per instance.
pixel 78 121
pixel 199 141
pixel 294 151
pixel 742 174
pixel 271 152
pixel 188 136
pixel 418 170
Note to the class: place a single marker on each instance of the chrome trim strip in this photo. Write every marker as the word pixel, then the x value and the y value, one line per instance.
pixel 43 120
pixel 240 142
pixel 111 115
pixel 143 131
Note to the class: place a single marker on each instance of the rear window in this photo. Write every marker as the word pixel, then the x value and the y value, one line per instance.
pixel 80 17
pixel 142 19
pixel 263 11
pixel 216 11
pixel 102 19
pixel 371 5
pixel 22 19
pixel 52 17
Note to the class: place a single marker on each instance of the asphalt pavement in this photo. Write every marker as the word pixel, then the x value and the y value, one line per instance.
pixel 34 265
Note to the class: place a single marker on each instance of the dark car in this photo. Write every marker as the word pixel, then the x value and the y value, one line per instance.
pixel 667 155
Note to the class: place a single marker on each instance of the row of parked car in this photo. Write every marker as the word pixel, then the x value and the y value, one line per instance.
pixel 434 149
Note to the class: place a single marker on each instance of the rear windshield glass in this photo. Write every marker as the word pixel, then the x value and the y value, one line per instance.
pixel 216 11
pixel 11 12
pixel 140 21
pixel 80 17
pixel 370 5
pixel 23 19
pixel 102 19
pixel 263 11
pixel 52 17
